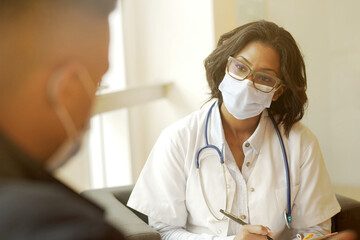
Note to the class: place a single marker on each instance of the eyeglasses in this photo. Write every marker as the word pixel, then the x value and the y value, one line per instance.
pixel 239 70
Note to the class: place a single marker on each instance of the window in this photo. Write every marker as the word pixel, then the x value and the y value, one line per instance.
pixel 109 150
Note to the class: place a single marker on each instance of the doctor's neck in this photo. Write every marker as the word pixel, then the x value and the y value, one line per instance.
pixel 238 126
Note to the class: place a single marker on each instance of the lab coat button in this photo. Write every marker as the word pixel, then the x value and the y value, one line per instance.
pixel 252 189
pixel 243 217
pixel 219 231
pixel 248 164
pixel 228 186
pixel 247 144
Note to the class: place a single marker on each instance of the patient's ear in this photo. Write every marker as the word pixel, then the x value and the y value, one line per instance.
pixel 66 90
pixel 68 86
pixel 59 83
pixel 279 92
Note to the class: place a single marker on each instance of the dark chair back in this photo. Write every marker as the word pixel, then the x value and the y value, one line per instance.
pixel 348 217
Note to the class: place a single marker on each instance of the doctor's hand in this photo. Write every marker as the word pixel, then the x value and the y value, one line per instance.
pixel 345 235
pixel 254 232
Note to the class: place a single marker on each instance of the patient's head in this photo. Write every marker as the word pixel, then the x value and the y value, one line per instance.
pixel 53 55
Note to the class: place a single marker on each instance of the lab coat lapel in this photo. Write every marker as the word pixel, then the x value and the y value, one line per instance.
pixel 263 183
pixel 215 188
pixel 216 137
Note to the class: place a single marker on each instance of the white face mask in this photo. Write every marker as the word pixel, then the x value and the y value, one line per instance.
pixel 242 99
pixel 73 143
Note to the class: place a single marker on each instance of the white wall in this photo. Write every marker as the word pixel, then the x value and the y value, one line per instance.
pixel 328 34
pixel 165 40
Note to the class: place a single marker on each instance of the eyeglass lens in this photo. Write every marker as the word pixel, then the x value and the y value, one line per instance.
pixel 262 81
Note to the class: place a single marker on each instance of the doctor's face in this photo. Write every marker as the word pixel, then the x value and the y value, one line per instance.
pixel 262 58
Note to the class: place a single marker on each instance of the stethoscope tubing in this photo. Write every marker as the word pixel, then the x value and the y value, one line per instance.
pixel 287 171
pixel 197 163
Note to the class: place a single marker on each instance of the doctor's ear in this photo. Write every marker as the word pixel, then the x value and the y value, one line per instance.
pixel 279 92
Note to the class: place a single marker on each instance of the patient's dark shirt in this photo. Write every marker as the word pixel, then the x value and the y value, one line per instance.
pixel 35 205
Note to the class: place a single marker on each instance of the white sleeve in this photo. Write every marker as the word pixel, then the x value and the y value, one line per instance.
pixel 321 229
pixel 315 201
pixel 168 232
pixel 159 191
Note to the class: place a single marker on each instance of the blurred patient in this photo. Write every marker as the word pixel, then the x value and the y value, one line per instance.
pixel 53 54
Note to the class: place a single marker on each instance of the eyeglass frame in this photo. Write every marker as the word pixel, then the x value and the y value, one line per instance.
pixel 278 80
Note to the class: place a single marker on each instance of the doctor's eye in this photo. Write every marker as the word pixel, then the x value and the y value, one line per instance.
pixel 241 67
pixel 265 79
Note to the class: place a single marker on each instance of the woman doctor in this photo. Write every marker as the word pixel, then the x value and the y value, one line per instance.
pixel 256 72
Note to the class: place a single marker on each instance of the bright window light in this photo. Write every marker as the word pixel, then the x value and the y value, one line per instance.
pixel 109 148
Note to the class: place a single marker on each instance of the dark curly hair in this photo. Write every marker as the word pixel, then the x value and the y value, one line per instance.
pixel 290 106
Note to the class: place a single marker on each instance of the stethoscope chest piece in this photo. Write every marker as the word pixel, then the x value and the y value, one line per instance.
pixel 287 219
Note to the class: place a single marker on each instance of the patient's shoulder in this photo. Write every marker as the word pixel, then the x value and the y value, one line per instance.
pixel 45 210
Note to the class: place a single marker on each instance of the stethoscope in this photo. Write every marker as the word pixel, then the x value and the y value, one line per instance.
pixel 287 212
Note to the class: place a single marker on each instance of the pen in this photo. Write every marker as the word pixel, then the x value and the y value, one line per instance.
pixel 232 217
pixel 326 236
pixel 238 220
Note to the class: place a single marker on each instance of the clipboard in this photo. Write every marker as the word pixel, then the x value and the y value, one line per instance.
pixel 300 236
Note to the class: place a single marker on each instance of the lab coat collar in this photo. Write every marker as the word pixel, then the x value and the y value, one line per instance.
pixel 256 139
pixel 216 131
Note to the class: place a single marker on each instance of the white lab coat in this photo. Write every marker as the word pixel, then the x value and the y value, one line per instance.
pixel 168 189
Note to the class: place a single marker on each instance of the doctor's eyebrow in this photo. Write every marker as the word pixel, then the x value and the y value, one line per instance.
pixel 263 69
pixel 247 61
